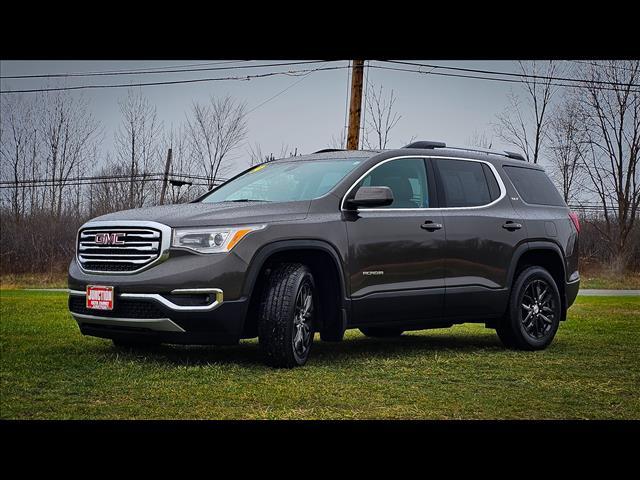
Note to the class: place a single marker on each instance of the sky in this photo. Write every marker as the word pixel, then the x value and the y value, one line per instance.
pixel 307 115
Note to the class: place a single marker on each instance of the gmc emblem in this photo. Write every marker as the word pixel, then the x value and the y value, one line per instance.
pixel 110 238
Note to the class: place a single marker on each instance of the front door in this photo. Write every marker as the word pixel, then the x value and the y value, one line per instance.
pixel 395 265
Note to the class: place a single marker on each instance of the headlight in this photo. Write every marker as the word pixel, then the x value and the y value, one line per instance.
pixel 211 239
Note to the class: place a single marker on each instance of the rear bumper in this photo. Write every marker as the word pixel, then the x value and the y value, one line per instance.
pixel 155 317
pixel 571 291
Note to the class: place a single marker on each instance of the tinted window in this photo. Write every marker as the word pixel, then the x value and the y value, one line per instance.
pixel 284 181
pixel 494 189
pixel 464 183
pixel 534 186
pixel 407 180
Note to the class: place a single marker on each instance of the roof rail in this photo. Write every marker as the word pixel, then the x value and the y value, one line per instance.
pixel 426 144
pixel 432 145
pixel 516 156
pixel 326 150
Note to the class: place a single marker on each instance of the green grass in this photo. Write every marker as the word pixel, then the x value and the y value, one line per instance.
pixel 592 370
pixel 610 280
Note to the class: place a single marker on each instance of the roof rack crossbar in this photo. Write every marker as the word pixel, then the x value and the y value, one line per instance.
pixel 327 150
pixel 516 156
pixel 426 144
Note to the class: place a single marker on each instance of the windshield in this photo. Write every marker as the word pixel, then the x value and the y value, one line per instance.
pixel 284 182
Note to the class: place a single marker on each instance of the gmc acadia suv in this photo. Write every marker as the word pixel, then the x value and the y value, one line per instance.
pixel 384 241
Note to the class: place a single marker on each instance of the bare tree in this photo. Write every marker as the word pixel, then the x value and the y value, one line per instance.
pixel 524 125
pixel 16 132
pixel 182 189
pixel 480 140
pixel 339 142
pixel 106 197
pixel 567 145
pixel 137 143
pixel 256 155
pixel 613 129
pixel 216 129
pixel 380 118
pixel 70 133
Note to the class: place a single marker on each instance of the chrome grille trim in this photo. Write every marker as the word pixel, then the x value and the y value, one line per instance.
pixel 139 253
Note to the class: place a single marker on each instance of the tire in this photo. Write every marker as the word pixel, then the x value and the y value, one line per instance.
pixel 286 319
pixel 534 311
pixel 381 332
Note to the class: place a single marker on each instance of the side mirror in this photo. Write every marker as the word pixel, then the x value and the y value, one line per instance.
pixel 371 197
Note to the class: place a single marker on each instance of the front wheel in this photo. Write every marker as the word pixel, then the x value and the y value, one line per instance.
pixel 287 310
pixel 535 308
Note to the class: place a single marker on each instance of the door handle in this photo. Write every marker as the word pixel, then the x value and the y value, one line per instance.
pixel 509 225
pixel 430 226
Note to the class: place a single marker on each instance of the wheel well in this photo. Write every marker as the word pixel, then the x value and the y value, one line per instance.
pixel 549 260
pixel 325 273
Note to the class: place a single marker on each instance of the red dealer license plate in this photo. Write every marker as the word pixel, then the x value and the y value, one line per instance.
pixel 99 297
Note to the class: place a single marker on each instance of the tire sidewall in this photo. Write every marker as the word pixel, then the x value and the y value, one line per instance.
pixel 522 338
pixel 306 277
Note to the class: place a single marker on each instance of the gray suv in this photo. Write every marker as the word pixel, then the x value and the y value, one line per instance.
pixel 420 237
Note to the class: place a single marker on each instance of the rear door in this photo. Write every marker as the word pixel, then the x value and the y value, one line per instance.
pixel 482 232
pixel 395 263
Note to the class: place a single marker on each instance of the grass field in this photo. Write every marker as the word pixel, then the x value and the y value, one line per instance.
pixel 592 370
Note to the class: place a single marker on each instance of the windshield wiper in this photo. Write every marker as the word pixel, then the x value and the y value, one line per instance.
pixel 247 200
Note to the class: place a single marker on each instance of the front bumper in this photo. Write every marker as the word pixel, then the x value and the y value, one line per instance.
pixel 162 318
pixel 148 303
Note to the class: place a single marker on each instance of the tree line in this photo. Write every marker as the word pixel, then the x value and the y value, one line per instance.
pixel 586 137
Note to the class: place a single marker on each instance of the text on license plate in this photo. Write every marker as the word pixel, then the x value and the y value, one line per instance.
pixel 99 297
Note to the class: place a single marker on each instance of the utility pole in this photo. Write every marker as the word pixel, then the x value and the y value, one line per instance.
pixel 166 177
pixel 355 107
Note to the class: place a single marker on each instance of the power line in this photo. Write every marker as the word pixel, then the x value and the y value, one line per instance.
pixel 172 82
pixel 595 64
pixel 511 74
pixel 479 77
pixel 97 178
pixel 218 181
pixel 280 92
pixel 153 72
pixel 147 69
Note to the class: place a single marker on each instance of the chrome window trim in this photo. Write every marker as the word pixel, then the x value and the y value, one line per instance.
pixel 165 243
pixel 169 304
pixel 503 189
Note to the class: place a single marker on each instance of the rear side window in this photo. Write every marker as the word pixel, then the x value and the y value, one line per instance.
pixel 534 186
pixel 463 183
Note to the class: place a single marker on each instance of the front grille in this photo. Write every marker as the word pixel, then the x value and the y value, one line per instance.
pixel 122 308
pixel 113 249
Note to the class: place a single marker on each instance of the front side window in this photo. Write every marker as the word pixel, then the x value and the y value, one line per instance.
pixel 284 181
pixel 406 177
pixel 464 183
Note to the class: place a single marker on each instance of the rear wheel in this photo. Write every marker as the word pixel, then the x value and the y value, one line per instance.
pixel 534 312
pixel 382 332
pixel 287 315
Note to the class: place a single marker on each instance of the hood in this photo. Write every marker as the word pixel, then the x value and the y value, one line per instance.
pixel 214 214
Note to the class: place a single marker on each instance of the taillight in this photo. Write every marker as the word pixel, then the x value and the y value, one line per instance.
pixel 576 222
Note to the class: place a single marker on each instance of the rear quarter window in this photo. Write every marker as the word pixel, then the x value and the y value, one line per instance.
pixel 534 186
